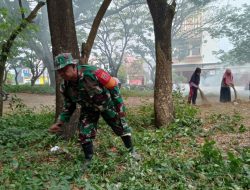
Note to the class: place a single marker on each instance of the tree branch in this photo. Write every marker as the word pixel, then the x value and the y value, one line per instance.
pixel 5 50
pixel 21 8
pixel 90 41
pixel 113 12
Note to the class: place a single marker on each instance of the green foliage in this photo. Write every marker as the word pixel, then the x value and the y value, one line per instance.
pixel 22 128
pixel 226 123
pixel 231 172
pixel 185 123
pixel 135 92
pixel 6 23
pixel 10 19
pixel 122 74
pixel 211 154
pixel 235 26
pixel 173 161
pixel 141 117
pixel 10 78
pixel 46 89
pixel 26 88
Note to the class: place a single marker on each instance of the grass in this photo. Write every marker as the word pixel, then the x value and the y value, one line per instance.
pixel 137 93
pixel 46 89
pixel 27 88
pixel 172 158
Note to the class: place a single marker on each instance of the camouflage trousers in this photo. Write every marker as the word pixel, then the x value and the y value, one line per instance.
pixel 89 122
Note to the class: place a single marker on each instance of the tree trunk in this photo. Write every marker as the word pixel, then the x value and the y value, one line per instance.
pixel 162 14
pixel 32 81
pixel 48 62
pixel 63 39
pixel 16 76
pixel 5 75
pixel 44 54
pixel 63 36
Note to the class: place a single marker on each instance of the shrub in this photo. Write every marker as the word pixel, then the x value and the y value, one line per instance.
pixel 37 89
pixel 167 162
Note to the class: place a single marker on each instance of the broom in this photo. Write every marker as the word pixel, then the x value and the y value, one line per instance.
pixel 235 93
pixel 203 97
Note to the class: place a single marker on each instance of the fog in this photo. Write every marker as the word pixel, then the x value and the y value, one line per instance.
pixel 210 82
pixel 194 47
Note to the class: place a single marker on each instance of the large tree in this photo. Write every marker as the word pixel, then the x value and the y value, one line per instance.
pixel 63 35
pixel 163 13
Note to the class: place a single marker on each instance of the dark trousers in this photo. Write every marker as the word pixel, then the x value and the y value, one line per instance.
pixel 225 94
pixel 89 122
pixel 192 95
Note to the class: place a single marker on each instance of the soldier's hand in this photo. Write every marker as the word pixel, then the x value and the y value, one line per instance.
pixel 56 128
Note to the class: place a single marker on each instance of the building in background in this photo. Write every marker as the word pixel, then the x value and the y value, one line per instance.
pixel 135 73
pixel 188 46
pixel 24 76
pixel 194 49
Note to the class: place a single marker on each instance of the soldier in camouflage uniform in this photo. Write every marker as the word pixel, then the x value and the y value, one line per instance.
pixel 98 94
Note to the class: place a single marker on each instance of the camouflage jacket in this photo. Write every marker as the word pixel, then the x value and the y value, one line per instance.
pixel 89 93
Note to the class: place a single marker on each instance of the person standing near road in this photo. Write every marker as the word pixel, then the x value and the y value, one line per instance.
pixel 226 82
pixel 194 86
pixel 98 95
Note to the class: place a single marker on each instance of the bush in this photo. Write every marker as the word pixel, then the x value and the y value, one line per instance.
pixel 37 89
pixel 171 158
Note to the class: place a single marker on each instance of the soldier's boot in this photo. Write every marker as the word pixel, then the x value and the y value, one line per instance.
pixel 88 153
pixel 127 140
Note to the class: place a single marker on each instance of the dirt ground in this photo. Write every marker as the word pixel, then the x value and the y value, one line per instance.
pixel 38 100
pixel 228 141
pixel 242 107
pixel 214 106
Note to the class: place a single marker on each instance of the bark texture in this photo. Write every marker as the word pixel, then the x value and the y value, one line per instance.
pixel 163 14
pixel 63 36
